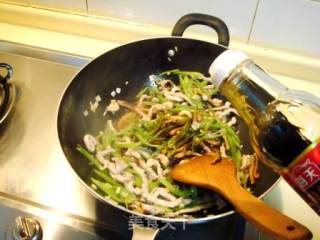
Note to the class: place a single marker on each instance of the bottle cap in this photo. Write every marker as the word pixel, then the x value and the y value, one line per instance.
pixel 224 64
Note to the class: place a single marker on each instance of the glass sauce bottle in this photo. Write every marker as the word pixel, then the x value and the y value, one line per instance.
pixel 284 125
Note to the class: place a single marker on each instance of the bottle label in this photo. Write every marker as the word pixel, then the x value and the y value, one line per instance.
pixel 304 172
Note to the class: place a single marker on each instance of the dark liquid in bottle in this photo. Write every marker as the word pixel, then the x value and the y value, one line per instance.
pixel 282 140
pixel 285 142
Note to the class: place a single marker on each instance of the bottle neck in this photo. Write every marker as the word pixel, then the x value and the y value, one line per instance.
pixel 250 89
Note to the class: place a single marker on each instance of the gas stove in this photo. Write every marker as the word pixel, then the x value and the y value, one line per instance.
pixel 35 179
pixel 40 195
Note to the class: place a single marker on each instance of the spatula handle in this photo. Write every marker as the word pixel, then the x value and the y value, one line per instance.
pixel 268 220
pixel 220 178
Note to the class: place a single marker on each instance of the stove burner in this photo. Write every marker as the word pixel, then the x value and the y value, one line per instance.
pixel 7 92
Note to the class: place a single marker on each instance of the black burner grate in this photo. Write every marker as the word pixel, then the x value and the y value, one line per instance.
pixel 4 89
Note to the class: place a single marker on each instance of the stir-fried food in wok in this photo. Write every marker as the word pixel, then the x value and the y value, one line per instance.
pixel 179 116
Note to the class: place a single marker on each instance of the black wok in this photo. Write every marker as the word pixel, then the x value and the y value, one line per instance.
pixel 134 62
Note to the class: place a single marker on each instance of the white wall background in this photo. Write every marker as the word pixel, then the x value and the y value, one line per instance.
pixel 291 24
pixel 288 24
pixel 237 15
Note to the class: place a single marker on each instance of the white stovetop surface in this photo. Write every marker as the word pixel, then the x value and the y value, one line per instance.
pixel 282 196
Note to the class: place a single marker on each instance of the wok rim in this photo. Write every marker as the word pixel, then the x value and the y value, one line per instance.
pixel 123 209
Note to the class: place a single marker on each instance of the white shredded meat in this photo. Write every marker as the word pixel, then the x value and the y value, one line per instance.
pixel 158 107
pixel 113 107
pixel 191 210
pixel 163 159
pixel 223 151
pixel 246 161
pixel 98 98
pixel 133 153
pixel 151 209
pixel 232 121
pixel 113 94
pixel 90 142
pixel 185 113
pixel 94 106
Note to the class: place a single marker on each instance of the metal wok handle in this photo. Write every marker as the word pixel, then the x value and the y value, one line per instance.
pixel 4 79
pixel 144 233
pixel 196 18
pixel 3 82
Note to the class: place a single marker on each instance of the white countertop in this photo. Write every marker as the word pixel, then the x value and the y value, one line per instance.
pixel 304 76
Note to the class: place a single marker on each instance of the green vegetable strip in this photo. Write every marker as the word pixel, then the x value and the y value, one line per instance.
pixel 235 145
pixel 153 184
pixel 137 178
pixel 179 136
pixel 174 189
pixel 92 160
pixel 142 139
pixel 117 193
pixel 106 177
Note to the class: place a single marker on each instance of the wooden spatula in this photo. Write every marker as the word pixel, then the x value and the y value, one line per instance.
pixel 221 178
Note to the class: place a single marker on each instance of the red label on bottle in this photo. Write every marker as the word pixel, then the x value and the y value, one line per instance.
pixel 305 171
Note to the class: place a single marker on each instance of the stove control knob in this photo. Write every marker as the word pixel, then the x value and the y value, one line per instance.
pixel 27 229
